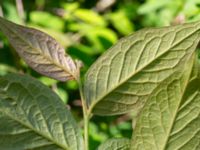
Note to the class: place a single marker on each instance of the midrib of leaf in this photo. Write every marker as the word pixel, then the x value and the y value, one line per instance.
pixel 45 56
pixel 137 71
pixel 180 100
pixel 40 134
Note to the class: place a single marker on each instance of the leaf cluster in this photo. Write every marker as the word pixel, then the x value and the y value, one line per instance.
pixel 154 72
pixel 150 76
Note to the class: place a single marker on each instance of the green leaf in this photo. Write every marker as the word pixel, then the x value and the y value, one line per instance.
pixel 33 117
pixel 98 37
pixel 151 6
pixel 115 144
pixel 125 76
pixel 170 118
pixel 90 17
pixel 40 51
pixel 124 26
pixel 47 20
pixel 11 11
pixel 6 68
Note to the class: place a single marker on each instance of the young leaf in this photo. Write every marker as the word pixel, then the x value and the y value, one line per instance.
pixel 115 144
pixel 170 118
pixel 33 117
pixel 125 76
pixel 40 51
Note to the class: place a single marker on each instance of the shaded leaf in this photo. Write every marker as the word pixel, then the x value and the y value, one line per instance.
pixel 170 118
pixel 125 76
pixel 115 144
pixel 33 117
pixel 40 51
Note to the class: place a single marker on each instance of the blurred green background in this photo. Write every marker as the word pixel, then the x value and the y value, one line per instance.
pixel 87 28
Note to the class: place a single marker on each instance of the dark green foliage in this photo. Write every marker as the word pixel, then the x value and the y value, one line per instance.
pixel 86 31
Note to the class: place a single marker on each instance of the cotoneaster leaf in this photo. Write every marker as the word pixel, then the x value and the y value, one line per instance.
pixel 124 77
pixel 115 144
pixel 40 51
pixel 33 117
pixel 170 119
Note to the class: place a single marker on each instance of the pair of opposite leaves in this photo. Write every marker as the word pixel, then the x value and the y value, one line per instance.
pixel 124 77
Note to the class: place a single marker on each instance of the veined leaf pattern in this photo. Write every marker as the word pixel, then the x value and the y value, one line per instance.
pixel 170 119
pixel 40 51
pixel 124 77
pixel 115 144
pixel 33 117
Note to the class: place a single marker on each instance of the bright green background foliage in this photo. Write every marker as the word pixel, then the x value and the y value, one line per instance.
pixel 87 28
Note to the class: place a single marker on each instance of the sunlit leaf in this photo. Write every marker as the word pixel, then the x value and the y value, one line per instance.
pixel 89 16
pixel 72 6
pixel 6 69
pixel 48 81
pixel 11 11
pixel 124 26
pixel 47 20
pixel 170 118
pixel 115 144
pixel 125 76
pixel 62 94
pixel 150 6
pixel 100 38
pixel 33 117
pixel 40 51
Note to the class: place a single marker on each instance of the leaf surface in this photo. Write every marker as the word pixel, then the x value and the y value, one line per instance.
pixel 33 117
pixel 40 51
pixel 170 119
pixel 125 76
pixel 115 144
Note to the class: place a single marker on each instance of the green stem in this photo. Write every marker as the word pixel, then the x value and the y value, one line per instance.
pixel 86 135
pixel 85 117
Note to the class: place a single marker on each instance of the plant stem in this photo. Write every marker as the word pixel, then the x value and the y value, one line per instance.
pixel 85 117
pixel 20 9
pixel 86 135
pixel 1 11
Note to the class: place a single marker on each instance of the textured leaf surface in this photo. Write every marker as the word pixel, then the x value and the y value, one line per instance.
pixel 115 144
pixel 126 75
pixel 170 119
pixel 33 117
pixel 40 51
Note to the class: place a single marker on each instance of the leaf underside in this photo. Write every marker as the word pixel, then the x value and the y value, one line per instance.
pixel 170 119
pixel 40 51
pixel 124 77
pixel 33 117
pixel 115 144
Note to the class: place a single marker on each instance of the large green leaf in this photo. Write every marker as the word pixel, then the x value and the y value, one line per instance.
pixel 33 117
pixel 115 144
pixel 125 76
pixel 40 51
pixel 170 119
